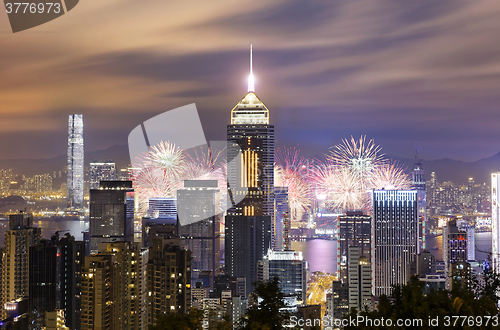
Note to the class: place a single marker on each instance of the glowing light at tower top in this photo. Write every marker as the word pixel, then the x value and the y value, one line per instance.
pixel 251 80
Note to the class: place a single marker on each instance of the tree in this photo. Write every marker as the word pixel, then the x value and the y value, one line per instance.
pixel 176 321
pixel 408 302
pixel 267 312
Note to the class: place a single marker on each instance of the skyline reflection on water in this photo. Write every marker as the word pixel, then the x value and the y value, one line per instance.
pixel 320 254
pixel 49 228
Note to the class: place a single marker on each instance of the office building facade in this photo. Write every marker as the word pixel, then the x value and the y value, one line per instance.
pixel 98 172
pixel 75 162
pixel 199 225
pixel 168 279
pixel 495 221
pixel 418 178
pixel 111 213
pixel 291 269
pixel 353 229
pixel 15 264
pixel 247 240
pixel 395 238
pixel 458 247
pixel 100 294
pixel 250 176
pixel 283 221
pixel 360 281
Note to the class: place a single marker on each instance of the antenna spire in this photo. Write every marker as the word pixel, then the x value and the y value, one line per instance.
pixel 251 82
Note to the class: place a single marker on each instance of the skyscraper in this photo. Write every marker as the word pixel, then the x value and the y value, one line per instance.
pixel 291 268
pixel 114 287
pixel 168 279
pixel 100 296
pixel 55 280
pixel 249 224
pixel 75 162
pixel 247 240
pixel 282 224
pixel 251 133
pixel 199 225
pixel 15 265
pixel 111 213
pixel 163 208
pixel 419 185
pixel 360 291
pixel 458 246
pixel 101 172
pixel 395 237
pixel 354 229
pixel 495 221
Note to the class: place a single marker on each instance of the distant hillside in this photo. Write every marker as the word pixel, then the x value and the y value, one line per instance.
pixel 446 169
pixel 29 167
pixel 457 171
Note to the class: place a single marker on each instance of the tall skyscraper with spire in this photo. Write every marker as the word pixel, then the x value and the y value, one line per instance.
pixel 251 133
pixel 249 223
pixel 419 185
pixel 495 221
pixel 75 162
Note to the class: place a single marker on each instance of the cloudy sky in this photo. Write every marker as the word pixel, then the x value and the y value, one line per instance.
pixel 400 72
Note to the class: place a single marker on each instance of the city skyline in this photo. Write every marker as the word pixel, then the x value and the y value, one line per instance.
pixel 313 198
pixel 358 74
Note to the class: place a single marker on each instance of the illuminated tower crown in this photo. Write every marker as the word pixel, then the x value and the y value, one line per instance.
pixel 250 110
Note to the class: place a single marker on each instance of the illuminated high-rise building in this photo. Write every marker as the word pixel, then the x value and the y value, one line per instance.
pixel 199 225
pixel 75 162
pixel 458 246
pixel 360 290
pixel 395 230
pixel 249 223
pixel 111 213
pixel 283 222
pixel 495 221
pixel 354 229
pixel 15 264
pixel 419 185
pixel 168 279
pixel 291 269
pixel 162 208
pixel 100 295
pixel 251 133
pixel 114 288
pixel 101 172
pixel 55 280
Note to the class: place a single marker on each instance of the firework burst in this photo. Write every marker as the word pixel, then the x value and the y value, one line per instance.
pixel 341 187
pixel 162 170
pixel 291 171
pixel 167 157
pixel 390 176
pixel 209 164
pixel 360 156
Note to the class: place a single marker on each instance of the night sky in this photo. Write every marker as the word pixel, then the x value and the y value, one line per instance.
pixel 400 72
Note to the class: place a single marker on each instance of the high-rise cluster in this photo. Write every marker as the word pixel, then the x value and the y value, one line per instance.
pixel 75 162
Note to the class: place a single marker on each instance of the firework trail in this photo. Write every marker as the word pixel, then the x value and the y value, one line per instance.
pixel 341 186
pixel 291 171
pixel 360 156
pixel 351 170
pixel 162 170
pixel 209 164
pixel 390 176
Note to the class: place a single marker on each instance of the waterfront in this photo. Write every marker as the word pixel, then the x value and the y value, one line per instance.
pixel 320 254
pixel 49 228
